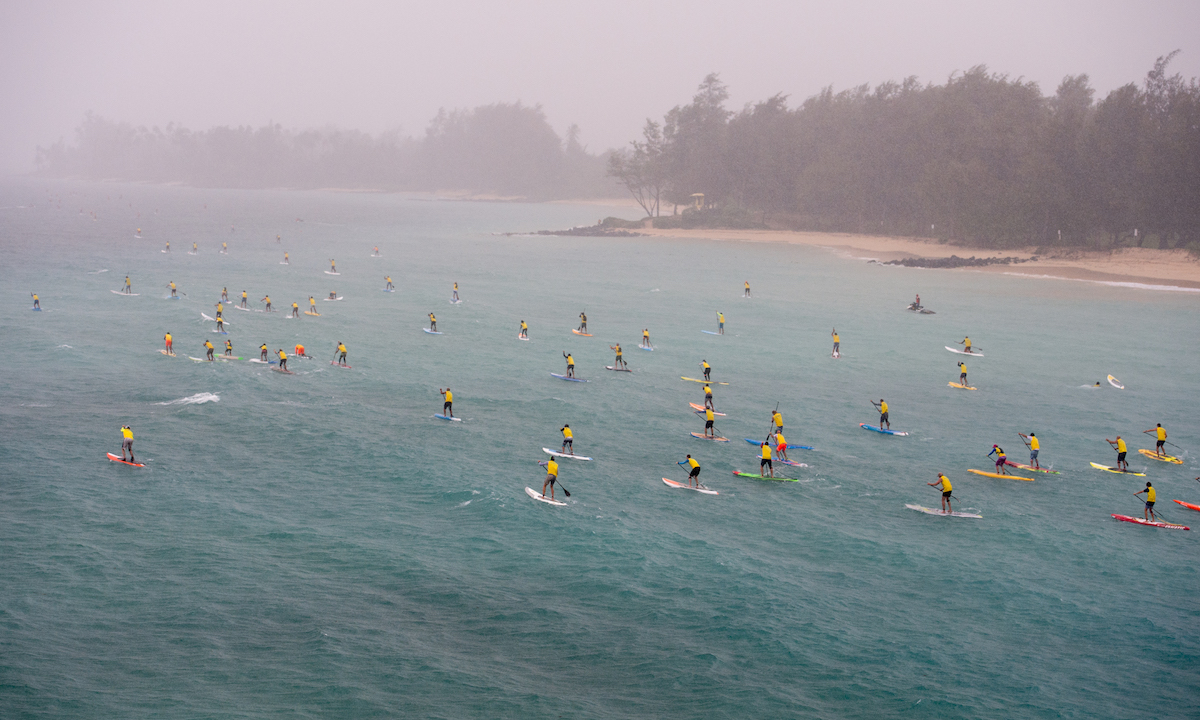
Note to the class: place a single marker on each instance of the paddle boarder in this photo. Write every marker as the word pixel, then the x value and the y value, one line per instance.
pixel 780 446
pixel 262 352
pixel 720 323
pixel 646 338
pixel 837 343
pixel 524 331
pixel 37 305
pixel 944 483
pixel 432 323
pixel 170 343
pixel 282 359
pixel 746 291
pixel 966 343
pixel 220 324
pixel 447 402
pixel 312 305
pixel 1119 446
pixel 128 287
pixel 693 471
pixel 883 413
pixel 332 266
pixel 1161 433
pixel 1032 443
pixel 583 322
pixel 127 442
pixel 709 430
pixel 568 445
pixel 1148 513
pixel 704 366
pixel 285 259
pixel 390 286
pixel 208 348
pixel 1000 459
pixel 962 375
pixel 777 418
pixel 298 351
pixel 295 309
pixel 224 248
pixel 376 253
pixel 174 292
pixel 551 477
pixel 619 363
pixel 193 248
pixel 455 296
pixel 244 300
pixel 708 401
pixel 765 462
pixel 228 349
pixel 570 365
pixel 333 295
pixel 267 300
pixel 341 349
pixel 224 294
pixel 168 246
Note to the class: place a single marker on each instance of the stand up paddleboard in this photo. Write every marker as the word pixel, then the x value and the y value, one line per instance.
pixel 116 459
pixel 1030 468
pixel 963 352
pixel 1163 458
pixel 885 431
pixel 617 369
pixel 285 372
pixel 521 337
pixel 538 496
pixel 943 513
pixel 118 292
pixel 1118 471
pixel 756 476
pixel 701 489
pixel 1188 505
pixel 643 347
pixel 164 352
pixel 340 297
pixel 706 382
pixel 330 272
pixel 709 332
pixel 556 453
pixel 1115 383
pixel 789 447
pixel 702 436
pixel 581 333
pixel 1140 521
pixel 961 387
pixel 447 417
pixel 700 409
pixel 213 319
pixel 338 364
pixel 196 359
pixel 791 463
pixel 314 314
pixel 568 379
pixel 431 332
pixel 456 302
pixel 1000 475
pixel 392 290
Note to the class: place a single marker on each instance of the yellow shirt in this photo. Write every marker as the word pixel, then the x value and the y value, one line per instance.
pixel 692 463
pixel 837 338
pixel 311 301
pixel 747 285
pixel 341 348
pixel 220 307
pixel 243 294
pixel 167 337
pixel 127 433
pixel 618 349
pixel 295 306
pixel 208 345
pixel 1162 433
pixel 228 345
pixel 282 355
pixel 778 419
pixel 946 486
pixel 707 391
pixel 35 297
pixel 1034 444
pixel 780 439
pixel 567 433
pixel 388 278
pixel 570 360
pixel 1121 445
pixel 882 407
pixel 172 286
pixel 552 468
pixel 967 343
pixel 704 365
pixel 449 396
pixel 524 326
pixel 720 317
pixel 267 299
pixel 766 452
pixel 262 347
pixel 645 333
pixel 432 318
pixel 708 414
pixel 1150 495
pixel 962 368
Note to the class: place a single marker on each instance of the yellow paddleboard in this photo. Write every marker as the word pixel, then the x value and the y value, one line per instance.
pixel 1164 458
pixel 998 475
pixel 961 387
pixel 310 312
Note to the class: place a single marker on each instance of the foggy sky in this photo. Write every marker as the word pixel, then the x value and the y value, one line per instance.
pixel 606 65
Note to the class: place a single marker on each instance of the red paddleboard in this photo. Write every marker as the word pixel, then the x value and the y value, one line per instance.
pixel 1189 505
pixel 1139 521
pixel 114 458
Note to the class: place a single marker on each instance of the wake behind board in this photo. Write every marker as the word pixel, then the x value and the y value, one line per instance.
pixel 1118 471
pixel 1115 383
pixel 1000 475
pixel 684 486
pixel 1164 458
pixel 1140 521
pixel 962 352
pixel 431 332
pixel 538 496
pixel 118 292
pixel 791 463
pixel 213 319
pixel 196 359
pixel 706 382
pixel 756 476
pixel 343 366
pixel 702 436
pixel 933 511
pixel 789 447
pixel 961 387
pixel 456 302
pixel 447 417
pixel 617 369
pixel 885 431
pixel 114 458
pixel 581 333
pixel 568 379
pixel 700 409
pixel 555 453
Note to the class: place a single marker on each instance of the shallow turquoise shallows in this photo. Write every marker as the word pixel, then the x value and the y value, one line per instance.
pixel 319 545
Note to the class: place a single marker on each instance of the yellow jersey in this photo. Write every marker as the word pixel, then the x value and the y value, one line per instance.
pixel 1162 433
pixel 692 463
pixel 127 433
pixel 1034 444
pixel 567 433
pixel 946 486
pixel 552 468
pixel 1150 495
pixel 778 418
pixel 882 407
pixel 449 396
pixel 766 451
pixel 1121 445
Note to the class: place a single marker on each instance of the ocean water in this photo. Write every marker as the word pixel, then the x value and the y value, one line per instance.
pixel 318 545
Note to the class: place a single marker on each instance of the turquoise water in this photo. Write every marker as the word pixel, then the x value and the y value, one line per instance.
pixel 319 545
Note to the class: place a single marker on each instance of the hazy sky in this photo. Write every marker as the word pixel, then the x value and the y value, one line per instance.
pixel 606 65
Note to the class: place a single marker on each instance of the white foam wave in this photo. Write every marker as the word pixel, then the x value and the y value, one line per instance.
pixel 193 399
pixel 98 272
pixel 1113 283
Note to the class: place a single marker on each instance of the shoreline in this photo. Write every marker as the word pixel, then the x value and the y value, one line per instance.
pixel 1166 269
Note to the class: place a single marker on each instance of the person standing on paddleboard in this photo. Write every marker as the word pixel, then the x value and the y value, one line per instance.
pixel 174 292
pixel 705 367
pixel 208 350
pixel 708 401
pixel 312 305
pixel 583 322
pixel 170 343
pixel 568 445
pixel 1119 446
pixel 244 300
pixel 837 343
pixel 619 363
pixel 447 402
pixel 551 477
pixel 746 291
pixel 777 418
pixel 962 374
pixel 341 350
pixel 1000 459
pixel 220 324
pixel 282 359
pixel 944 482
pixel 128 287
pixel 1032 443
pixel 295 309
pixel 966 343
pixel 720 323
pixel 228 349
pixel 709 430
pixel 765 462
pixel 455 296
pixel 646 338
pixel 1161 433
pixel 388 280
pixel 524 330
pixel 570 365
pixel 267 300
pixel 285 259
pixel 883 414
pixel 262 352
pixel 127 442
pixel 37 304
pixel 224 294
pixel 693 471
pixel 780 446
pixel 332 265
pixel 432 323
pixel 1148 513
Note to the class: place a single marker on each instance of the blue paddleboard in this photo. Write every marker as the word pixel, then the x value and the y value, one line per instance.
pixel 789 447
pixel 873 428
pixel 568 379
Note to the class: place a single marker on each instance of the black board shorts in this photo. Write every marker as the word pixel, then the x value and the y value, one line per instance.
pixel 694 473
pixel 764 462
pixel 1120 457
pixel 708 424
pixel 883 417
pixel 945 493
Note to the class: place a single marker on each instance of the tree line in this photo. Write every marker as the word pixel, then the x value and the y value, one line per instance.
pixel 505 149
pixel 982 158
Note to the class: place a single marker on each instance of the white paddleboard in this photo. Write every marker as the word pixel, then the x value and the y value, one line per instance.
pixel 963 352
pixel 538 496
pixel 709 332
pixel 934 511
pixel 1115 383
pixel 212 319
pixel 555 453
pixel 118 292
pixel 327 272
pixel 685 486
pixel 447 417
pixel 431 332
pixel 333 299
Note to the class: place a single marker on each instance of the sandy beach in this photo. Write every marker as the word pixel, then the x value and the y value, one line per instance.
pixel 1127 265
